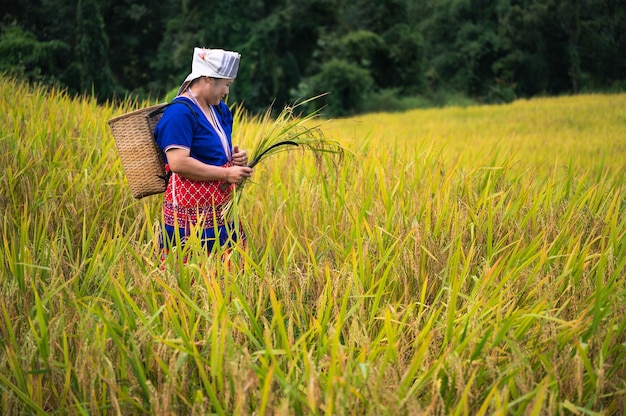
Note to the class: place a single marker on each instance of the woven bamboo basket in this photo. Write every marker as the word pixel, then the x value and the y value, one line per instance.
pixel 141 157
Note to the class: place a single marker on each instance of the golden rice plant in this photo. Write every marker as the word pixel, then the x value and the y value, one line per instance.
pixel 462 261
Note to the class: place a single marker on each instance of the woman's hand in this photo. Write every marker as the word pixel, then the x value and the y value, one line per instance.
pixel 181 162
pixel 240 157
pixel 236 174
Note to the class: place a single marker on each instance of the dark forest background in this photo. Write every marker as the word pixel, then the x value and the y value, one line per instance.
pixel 370 55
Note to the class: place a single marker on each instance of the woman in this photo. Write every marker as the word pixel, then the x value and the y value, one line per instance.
pixel 197 142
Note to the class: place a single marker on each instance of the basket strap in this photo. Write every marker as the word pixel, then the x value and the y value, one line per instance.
pixel 161 109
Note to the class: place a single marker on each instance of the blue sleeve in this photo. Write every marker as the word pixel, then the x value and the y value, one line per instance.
pixel 176 127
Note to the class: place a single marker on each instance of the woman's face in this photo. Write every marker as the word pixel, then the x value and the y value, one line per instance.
pixel 216 89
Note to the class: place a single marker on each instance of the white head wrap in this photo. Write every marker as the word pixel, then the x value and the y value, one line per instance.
pixel 215 63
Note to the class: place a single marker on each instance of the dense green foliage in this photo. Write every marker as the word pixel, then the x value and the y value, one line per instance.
pixel 360 51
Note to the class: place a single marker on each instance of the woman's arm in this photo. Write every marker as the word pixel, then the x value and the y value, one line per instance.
pixel 181 162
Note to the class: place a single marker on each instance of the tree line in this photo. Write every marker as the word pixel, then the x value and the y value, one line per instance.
pixel 369 55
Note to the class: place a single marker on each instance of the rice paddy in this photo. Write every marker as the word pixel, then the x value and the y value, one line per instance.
pixel 456 261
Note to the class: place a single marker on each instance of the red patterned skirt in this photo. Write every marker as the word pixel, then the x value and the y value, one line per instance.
pixel 197 205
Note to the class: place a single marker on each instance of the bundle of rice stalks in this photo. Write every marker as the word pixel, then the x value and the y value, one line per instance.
pixel 290 130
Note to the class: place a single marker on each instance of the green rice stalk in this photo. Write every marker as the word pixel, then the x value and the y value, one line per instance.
pixel 285 132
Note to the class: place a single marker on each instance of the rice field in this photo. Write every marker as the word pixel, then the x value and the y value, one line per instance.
pixel 462 261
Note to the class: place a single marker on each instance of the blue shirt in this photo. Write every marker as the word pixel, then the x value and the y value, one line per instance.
pixel 180 127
